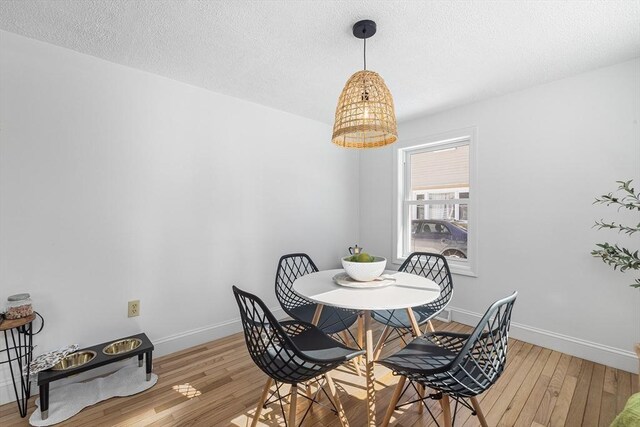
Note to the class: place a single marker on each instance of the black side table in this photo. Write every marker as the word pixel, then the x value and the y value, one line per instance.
pixel 19 351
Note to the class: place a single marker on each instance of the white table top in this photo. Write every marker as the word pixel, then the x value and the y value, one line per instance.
pixel 409 290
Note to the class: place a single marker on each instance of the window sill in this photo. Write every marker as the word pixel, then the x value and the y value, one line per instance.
pixel 456 268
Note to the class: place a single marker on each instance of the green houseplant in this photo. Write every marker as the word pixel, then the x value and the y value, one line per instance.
pixel 624 198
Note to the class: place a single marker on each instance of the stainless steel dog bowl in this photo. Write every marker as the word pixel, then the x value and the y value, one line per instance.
pixel 122 346
pixel 74 360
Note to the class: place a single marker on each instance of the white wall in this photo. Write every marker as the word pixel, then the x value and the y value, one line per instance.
pixel 116 184
pixel 543 155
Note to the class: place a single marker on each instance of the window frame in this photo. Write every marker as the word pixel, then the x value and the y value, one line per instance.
pixel 402 177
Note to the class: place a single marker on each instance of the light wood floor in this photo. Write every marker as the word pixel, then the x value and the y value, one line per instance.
pixel 217 384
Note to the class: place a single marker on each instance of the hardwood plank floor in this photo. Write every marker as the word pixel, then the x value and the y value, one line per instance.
pixel 217 384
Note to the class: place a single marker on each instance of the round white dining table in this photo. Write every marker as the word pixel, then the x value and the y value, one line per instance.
pixel 405 291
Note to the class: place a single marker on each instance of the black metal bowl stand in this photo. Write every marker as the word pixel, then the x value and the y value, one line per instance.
pixel 45 378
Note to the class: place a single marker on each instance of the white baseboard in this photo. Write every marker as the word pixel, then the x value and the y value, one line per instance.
pixel 625 360
pixel 182 340
pixel 167 345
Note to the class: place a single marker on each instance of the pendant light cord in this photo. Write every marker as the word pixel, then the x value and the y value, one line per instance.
pixel 365 54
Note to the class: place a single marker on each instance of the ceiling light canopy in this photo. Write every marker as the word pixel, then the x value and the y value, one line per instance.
pixel 365 116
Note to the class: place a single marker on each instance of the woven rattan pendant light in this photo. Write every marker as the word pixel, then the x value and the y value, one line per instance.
pixel 365 117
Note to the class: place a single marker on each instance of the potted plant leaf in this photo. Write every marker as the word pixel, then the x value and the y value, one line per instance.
pixel 625 198
pixel 614 255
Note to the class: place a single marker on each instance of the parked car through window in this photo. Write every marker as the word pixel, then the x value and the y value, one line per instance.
pixel 442 237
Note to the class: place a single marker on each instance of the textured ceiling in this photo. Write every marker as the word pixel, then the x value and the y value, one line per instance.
pixel 297 55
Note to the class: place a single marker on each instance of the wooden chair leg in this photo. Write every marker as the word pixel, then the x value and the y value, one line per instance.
pixel 429 327
pixel 293 406
pixel 394 401
pixel 317 314
pixel 421 395
pixel 446 410
pixel 356 365
pixel 385 334
pixel 333 393
pixel 263 398
pixel 307 390
pixel 476 407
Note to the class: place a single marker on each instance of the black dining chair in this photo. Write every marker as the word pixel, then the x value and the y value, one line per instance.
pixel 433 267
pixel 460 366
pixel 290 352
pixel 332 320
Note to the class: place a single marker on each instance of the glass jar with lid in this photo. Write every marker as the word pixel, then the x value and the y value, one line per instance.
pixel 18 306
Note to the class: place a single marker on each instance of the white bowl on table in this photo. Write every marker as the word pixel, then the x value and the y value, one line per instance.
pixel 364 271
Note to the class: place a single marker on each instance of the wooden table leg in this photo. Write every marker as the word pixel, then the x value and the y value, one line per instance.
pixel 414 323
pixel 360 334
pixel 316 315
pixel 371 383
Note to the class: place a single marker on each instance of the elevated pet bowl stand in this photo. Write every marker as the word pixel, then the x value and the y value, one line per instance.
pixel 145 349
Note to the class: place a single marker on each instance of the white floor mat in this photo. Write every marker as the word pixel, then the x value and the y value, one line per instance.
pixel 68 400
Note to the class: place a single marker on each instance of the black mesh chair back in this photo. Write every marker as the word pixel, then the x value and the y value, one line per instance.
pixel 430 266
pixel 433 267
pixel 270 347
pixel 292 267
pixel 456 365
pixel 477 360
pixel 483 357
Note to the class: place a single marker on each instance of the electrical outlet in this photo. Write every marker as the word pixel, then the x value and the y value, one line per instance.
pixel 134 308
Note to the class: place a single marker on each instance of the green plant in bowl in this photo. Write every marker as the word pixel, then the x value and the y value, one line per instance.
pixel 362 257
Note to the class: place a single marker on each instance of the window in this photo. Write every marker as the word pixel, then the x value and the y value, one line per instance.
pixel 434 212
